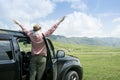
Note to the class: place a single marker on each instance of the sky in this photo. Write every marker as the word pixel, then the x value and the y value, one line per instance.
pixel 84 18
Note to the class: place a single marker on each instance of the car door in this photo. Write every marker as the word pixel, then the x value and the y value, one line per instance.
pixel 51 66
pixel 52 60
pixel 8 66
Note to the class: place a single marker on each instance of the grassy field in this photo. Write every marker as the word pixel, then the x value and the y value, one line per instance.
pixel 99 63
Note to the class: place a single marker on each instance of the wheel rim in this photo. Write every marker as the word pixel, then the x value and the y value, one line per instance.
pixel 73 77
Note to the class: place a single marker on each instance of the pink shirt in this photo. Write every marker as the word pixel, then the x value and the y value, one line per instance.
pixel 38 45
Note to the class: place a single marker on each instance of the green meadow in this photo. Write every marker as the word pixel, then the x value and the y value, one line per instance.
pixel 99 62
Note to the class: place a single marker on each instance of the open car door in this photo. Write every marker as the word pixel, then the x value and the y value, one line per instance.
pixel 51 68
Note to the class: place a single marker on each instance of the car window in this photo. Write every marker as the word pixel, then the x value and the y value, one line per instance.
pixel 5 50
pixel 24 45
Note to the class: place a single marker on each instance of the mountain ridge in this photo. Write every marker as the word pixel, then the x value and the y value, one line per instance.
pixel 106 41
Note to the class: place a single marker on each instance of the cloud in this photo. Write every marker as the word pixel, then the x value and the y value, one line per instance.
pixel 75 24
pixel 116 19
pixel 26 9
pixel 75 4
pixel 116 31
pixel 80 24
pixel 3 26
pixel 108 14
pixel 80 5
pixel 65 0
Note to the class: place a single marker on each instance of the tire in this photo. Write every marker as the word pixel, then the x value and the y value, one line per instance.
pixel 72 75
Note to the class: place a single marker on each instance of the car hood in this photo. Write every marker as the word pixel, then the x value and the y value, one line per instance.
pixel 70 58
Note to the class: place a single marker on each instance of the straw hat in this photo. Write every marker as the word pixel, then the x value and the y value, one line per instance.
pixel 36 27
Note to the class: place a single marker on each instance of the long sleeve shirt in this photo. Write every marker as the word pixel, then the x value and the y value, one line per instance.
pixel 38 44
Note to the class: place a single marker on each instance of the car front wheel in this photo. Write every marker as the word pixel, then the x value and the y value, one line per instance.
pixel 72 75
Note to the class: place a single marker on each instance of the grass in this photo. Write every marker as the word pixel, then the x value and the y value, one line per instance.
pixel 100 66
pixel 99 63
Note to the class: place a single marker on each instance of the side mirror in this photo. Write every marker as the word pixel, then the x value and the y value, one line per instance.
pixel 60 54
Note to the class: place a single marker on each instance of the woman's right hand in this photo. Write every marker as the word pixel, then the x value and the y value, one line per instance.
pixel 16 22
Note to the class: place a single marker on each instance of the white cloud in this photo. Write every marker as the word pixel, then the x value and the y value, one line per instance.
pixel 3 26
pixel 26 9
pixel 116 20
pixel 108 14
pixel 75 4
pixel 79 5
pixel 65 0
pixel 79 24
pixel 116 31
pixel 75 24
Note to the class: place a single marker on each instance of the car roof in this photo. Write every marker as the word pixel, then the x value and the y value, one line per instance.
pixel 4 32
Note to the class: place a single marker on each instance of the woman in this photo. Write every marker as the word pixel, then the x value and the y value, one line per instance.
pixel 38 60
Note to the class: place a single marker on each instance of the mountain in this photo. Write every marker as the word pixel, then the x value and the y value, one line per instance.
pixel 106 41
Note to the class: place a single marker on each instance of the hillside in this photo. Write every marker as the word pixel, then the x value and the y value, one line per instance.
pixel 107 41
pixel 76 48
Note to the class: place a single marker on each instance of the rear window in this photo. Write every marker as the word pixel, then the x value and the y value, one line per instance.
pixel 5 50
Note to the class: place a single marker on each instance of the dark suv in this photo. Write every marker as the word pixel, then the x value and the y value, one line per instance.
pixel 14 61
